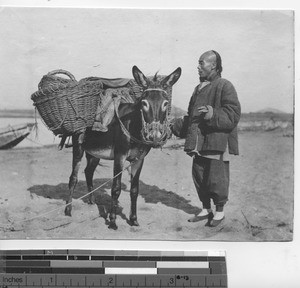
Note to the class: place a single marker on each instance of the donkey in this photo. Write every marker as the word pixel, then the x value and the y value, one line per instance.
pixel 135 129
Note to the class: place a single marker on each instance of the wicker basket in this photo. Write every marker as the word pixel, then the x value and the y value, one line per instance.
pixel 65 105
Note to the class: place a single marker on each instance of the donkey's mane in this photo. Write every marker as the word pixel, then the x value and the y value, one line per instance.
pixel 155 81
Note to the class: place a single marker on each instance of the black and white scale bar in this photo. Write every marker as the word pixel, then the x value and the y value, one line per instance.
pixel 107 268
pixel 96 280
pixel 112 255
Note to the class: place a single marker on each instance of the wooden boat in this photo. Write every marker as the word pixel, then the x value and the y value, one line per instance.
pixel 11 136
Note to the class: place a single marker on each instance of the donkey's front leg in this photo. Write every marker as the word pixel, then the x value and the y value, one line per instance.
pixel 77 156
pixel 134 190
pixel 116 190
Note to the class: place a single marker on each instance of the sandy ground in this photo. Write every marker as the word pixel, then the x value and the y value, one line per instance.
pixel 34 181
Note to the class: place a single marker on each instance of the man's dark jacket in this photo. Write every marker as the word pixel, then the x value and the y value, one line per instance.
pixel 211 135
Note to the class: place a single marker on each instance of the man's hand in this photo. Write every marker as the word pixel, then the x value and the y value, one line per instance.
pixel 207 112
pixel 179 126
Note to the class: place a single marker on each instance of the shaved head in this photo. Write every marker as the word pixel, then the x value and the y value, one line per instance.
pixel 210 63
pixel 209 56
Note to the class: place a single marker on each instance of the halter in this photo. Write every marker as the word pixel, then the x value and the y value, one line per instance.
pixel 164 127
pixel 156 89
pixel 127 133
pixel 166 130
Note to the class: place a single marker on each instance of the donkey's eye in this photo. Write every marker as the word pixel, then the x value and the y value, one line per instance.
pixel 164 105
pixel 145 105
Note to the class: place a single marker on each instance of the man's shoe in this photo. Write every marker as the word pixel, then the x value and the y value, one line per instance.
pixel 215 223
pixel 198 218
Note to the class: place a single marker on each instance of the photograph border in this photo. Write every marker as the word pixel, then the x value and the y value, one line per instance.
pixel 270 264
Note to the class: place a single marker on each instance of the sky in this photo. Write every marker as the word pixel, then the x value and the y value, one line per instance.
pixel 256 46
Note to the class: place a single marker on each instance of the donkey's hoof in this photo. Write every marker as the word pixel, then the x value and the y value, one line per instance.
pixel 91 201
pixel 68 211
pixel 134 223
pixel 113 226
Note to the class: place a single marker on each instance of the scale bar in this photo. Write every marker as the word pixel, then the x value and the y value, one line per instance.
pixel 107 268
pixel 131 271
pixel 182 264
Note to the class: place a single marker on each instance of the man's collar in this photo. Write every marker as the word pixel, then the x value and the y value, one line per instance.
pixel 213 78
pixel 207 82
pixel 203 84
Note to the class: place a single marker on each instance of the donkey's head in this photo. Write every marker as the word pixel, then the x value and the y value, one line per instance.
pixel 155 103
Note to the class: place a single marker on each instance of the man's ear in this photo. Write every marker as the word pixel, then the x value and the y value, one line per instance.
pixel 214 65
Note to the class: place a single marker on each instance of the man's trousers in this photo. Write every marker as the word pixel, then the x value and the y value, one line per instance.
pixel 211 179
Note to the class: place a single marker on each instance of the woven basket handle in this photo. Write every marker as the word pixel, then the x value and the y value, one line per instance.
pixel 60 71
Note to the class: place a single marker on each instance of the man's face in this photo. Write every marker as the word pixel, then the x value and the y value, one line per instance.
pixel 206 66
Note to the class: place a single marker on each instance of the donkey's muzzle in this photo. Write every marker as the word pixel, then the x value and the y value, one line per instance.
pixel 156 133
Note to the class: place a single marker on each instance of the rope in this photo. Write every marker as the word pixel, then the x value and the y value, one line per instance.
pixel 127 133
pixel 35 123
pixel 61 123
pixel 141 156
pixel 35 142
pixel 156 89
pixel 75 111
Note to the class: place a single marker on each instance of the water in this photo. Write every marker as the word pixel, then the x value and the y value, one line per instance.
pixel 37 138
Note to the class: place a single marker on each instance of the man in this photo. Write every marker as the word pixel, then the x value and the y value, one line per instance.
pixel 210 130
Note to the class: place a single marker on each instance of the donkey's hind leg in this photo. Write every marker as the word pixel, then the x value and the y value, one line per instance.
pixel 92 163
pixel 77 156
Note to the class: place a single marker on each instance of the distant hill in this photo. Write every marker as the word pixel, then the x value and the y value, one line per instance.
pixel 17 113
pixel 177 112
pixel 265 116
pixel 268 121
pixel 270 110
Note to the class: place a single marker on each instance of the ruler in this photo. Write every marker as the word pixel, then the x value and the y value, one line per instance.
pixel 112 268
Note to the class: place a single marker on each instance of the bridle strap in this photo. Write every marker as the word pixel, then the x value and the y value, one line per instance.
pixel 155 89
pixel 126 132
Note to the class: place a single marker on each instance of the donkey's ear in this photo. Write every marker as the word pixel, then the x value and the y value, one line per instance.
pixel 172 78
pixel 139 77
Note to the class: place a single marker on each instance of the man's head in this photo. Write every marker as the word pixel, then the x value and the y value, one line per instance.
pixel 210 64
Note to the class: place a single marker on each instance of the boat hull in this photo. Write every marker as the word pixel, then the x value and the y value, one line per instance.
pixel 12 135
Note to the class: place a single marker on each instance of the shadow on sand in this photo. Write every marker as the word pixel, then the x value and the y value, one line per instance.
pixel 150 193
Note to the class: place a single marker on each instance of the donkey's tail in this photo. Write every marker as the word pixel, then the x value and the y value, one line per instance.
pixel 62 142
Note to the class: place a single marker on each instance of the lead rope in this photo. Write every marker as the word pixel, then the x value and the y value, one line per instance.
pixel 125 131
pixel 140 157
